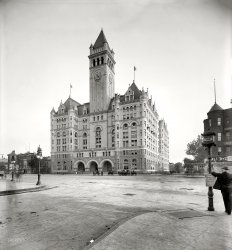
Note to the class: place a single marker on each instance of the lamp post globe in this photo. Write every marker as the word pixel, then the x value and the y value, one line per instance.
pixel 39 156
pixel 208 142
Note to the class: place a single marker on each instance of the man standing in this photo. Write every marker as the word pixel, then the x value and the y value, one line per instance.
pixel 225 180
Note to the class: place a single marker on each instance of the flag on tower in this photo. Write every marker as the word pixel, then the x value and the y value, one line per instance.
pixel 134 72
pixel 70 90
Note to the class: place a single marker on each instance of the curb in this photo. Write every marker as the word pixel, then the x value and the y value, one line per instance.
pixel 26 190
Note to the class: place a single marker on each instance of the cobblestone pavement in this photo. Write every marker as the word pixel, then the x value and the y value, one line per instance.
pixel 113 212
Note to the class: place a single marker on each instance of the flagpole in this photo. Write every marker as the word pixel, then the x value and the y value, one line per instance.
pixel 134 73
pixel 70 86
pixel 214 90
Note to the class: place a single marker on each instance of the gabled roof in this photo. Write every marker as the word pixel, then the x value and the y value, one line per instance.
pixel 137 92
pixel 100 40
pixel 215 107
pixel 70 103
pixel 134 88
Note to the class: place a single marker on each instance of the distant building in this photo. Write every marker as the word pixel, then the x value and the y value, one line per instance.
pixel 112 131
pixel 28 163
pixel 220 121
pixel 163 146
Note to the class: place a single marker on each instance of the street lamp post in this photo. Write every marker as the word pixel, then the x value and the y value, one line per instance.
pixel 208 142
pixel 39 156
pixel 13 165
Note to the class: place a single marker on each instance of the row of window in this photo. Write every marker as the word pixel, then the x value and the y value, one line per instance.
pixel 94 154
pixel 58 156
pixel 63 119
pixel 127 109
pixel 228 150
pixel 100 60
pixel 219 122
pixel 227 136
pixel 64 133
pixel 129 152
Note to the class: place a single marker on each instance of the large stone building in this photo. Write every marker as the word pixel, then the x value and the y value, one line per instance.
pixel 220 121
pixel 112 131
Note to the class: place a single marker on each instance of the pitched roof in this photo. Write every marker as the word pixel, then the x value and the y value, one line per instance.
pixel 137 92
pixel 215 107
pixel 70 103
pixel 100 40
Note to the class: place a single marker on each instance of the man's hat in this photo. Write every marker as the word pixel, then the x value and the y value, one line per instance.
pixel 225 168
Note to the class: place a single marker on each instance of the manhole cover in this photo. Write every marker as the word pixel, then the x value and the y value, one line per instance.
pixel 182 214
pixel 129 194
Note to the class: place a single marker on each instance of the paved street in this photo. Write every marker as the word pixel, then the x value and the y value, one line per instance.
pixel 82 208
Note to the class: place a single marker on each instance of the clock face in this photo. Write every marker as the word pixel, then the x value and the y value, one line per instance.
pixel 97 76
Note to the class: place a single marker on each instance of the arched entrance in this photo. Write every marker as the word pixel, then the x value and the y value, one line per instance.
pixel 93 167
pixel 81 167
pixel 107 166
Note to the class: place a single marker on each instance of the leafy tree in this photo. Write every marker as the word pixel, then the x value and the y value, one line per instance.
pixel 178 167
pixel 196 149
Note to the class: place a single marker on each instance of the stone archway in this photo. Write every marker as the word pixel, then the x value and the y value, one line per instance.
pixel 106 166
pixel 93 167
pixel 81 167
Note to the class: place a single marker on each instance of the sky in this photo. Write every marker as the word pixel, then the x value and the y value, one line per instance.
pixel 177 46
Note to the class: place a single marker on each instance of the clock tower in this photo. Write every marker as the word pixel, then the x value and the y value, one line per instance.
pixel 101 74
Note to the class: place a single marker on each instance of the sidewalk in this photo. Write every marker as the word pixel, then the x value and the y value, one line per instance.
pixel 8 187
pixel 174 230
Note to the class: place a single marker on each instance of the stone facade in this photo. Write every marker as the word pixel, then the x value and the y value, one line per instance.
pixel 112 131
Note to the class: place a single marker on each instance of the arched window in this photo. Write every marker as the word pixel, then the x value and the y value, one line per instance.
pixel 134 164
pixel 98 137
pixel 64 134
pixel 98 61
pixel 125 126
pixel 94 63
pixel 113 138
pixel 84 141
pixel 102 60
pixel 75 134
pixel 64 165
pixel 58 134
pixel 134 124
